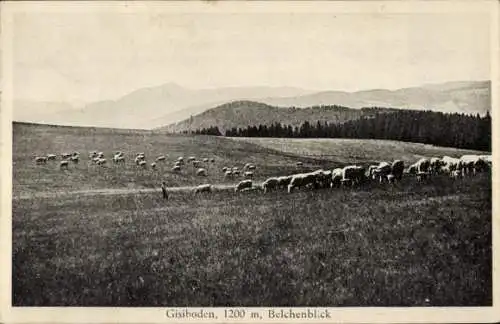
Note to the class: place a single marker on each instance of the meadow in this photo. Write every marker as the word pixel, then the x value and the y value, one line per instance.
pixel 342 150
pixel 408 244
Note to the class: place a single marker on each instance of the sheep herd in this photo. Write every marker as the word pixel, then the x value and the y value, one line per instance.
pixel 66 158
pixel 383 172
pixel 351 175
pixel 200 166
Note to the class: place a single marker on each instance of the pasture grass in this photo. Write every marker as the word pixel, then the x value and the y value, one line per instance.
pixel 345 151
pixel 404 245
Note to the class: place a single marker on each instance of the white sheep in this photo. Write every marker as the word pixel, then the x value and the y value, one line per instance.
pixel 203 188
pixel 245 184
pixel 64 164
pixel 40 159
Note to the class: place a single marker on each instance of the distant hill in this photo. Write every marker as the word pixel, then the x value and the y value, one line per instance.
pixel 154 107
pixel 149 107
pixel 461 97
pixel 243 113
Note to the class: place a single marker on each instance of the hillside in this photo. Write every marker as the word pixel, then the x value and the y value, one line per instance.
pixel 240 114
pixel 154 107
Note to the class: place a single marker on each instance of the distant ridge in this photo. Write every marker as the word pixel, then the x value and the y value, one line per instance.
pixel 170 103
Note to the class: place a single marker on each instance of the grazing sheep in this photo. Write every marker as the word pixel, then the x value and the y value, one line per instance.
pixel 455 174
pixel 93 154
pixel 421 176
pixel 371 170
pixel 249 166
pixel 65 155
pixel 212 160
pixel 224 169
pixel 201 172
pixel 391 178
pixel 191 159
pixel 196 164
pixel 51 157
pixel 336 178
pixel 143 163
pixel 421 166
pixel 64 164
pixel 176 168
pixel 160 158
pixel 243 185
pixel 100 155
pixel 284 181
pixel 302 180
pixel 180 159
pixel 353 175
pixel 381 172
pixel 75 159
pixel 449 164
pixel 235 168
pixel 203 188
pixel 228 174
pixel 472 164
pixel 236 172
pixel 96 160
pixel 397 169
pixel 270 184
pixel 248 174
pixel 40 159
pixel 435 165
pixel 118 159
pixel 205 160
pixel 153 165
pixel 101 161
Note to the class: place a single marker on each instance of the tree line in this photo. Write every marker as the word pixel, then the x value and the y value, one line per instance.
pixel 427 127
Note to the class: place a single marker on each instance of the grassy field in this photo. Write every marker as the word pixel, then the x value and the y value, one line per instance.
pixel 355 150
pixel 409 244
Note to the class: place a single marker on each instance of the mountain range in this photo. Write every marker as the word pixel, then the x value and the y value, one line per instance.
pixel 170 103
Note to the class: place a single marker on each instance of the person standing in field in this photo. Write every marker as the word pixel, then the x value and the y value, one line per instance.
pixel 164 190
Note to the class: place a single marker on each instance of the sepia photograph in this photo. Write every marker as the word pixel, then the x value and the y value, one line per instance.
pixel 226 154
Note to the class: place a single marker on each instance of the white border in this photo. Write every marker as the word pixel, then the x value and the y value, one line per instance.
pixel 9 314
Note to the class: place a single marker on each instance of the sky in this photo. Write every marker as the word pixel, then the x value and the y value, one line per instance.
pixel 81 56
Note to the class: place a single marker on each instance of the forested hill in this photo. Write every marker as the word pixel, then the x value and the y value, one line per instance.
pixel 428 127
pixel 240 114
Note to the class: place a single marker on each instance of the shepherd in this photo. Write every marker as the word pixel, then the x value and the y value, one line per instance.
pixel 164 190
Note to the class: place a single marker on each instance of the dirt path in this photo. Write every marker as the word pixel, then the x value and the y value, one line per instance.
pixel 116 191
